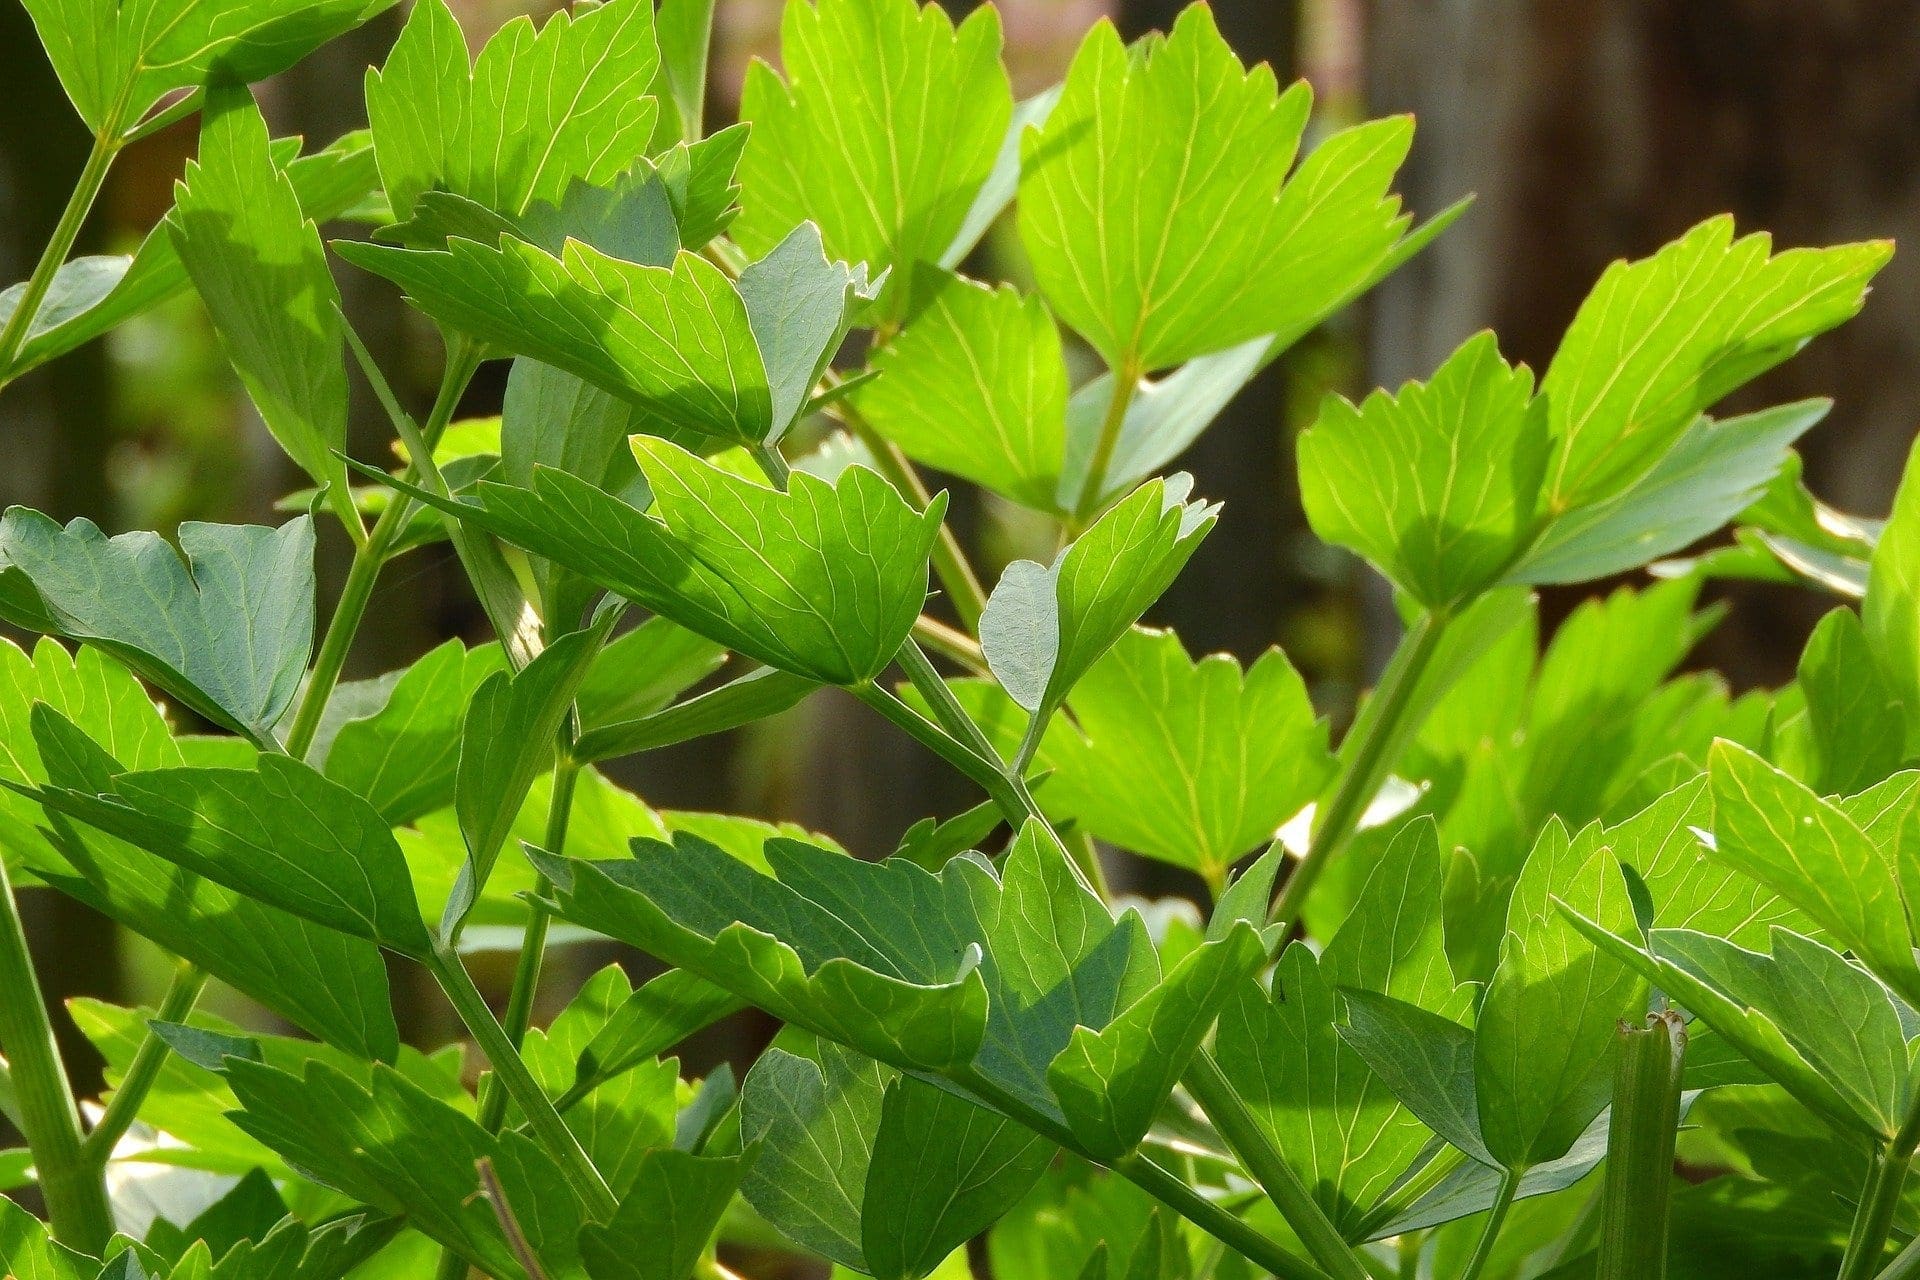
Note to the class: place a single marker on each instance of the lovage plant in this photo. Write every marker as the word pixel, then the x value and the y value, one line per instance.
pixel 1547 908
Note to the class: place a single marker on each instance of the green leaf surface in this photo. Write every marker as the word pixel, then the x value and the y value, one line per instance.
pixel 1544 1043
pixel 118 58
pixel 1337 1122
pixel 1714 472
pixel 1705 974
pixel 1045 625
pixel 388 1144
pixel 1890 610
pixel 1191 763
pixel 1855 728
pixel 508 739
pixel 29 1252
pixel 1661 339
pixel 665 1222
pixel 1177 125
pixel 402 757
pixel 1435 485
pixel 648 1020
pixel 886 124
pixel 822 581
pixel 278 832
pixel 800 302
pixel 816 1123
pixel 535 110
pixel 1425 1059
pixel 976 386
pixel 754 696
pixel 1770 827
pixel 227 630
pixel 259 266
pixel 640 672
pixel 332 985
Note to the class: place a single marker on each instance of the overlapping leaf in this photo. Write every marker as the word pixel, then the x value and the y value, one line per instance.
pixel 227 630
pixel 1019 978
pixel 1191 763
pixel 1180 127
pixel 823 581
pixel 535 111
pixel 885 127
pixel 1436 485
pixel 1661 339
pixel 1045 625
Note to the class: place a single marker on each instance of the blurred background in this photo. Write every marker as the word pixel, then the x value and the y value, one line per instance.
pixel 1588 131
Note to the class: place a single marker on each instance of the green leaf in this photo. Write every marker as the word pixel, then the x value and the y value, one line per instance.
pixel 977 386
pixel 507 740
pixel 388 1144
pixel 279 832
pixel 534 112
pixel 1890 611
pixel 1772 828
pixel 1730 989
pixel 1436 485
pixel 816 1123
pixel 227 630
pixel 1336 1121
pixel 1111 1083
pixel 28 1251
pixel 1855 727
pixel 1178 126
pixel 95 293
pixel 942 1170
pixel 333 985
pixel 1191 763
pixel 919 1002
pixel 401 757
pixel 754 696
pixel 1715 471
pixel 107 703
pixel 118 58
pixel 800 303
pixel 822 581
pixel 1045 625
pixel 650 1019
pixel 1661 339
pixel 887 124
pixel 1427 1060
pixel 685 32
pixel 664 1223
pixel 1544 1043
pixel 642 671
pixel 259 266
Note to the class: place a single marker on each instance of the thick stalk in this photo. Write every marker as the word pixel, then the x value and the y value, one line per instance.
pixel 1640 1142
pixel 1263 1160
pixel 93 175
pixel 548 1128
pixel 188 981
pixel 1879 1200
pixel 369 558
pixel 1126 381
pixel 72 1185
pixel 1383 728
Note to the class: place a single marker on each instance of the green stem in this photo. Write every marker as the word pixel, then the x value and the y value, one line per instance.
pixel 550 1130
pixel 956 646
pixel 124 1106
pixel 774 464
pixel 371 556
pixel 1880 1199
pixel 1264 1161
pixel 73 1186
pixel 1496 1218
pixel 93 175
pixel 1905 1264
pixel 1126 381
pixel 1381 731
pixel 1640 1142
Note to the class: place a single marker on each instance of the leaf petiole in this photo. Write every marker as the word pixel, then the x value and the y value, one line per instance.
pixel 122 1109
pixel 1490 1232
pixel 106 145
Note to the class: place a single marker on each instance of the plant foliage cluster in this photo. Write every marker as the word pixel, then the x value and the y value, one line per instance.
pixel 1546 908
